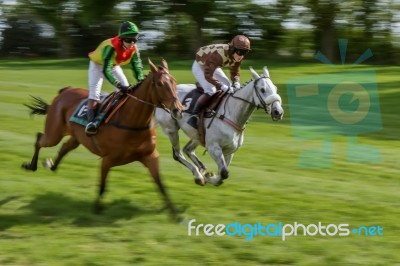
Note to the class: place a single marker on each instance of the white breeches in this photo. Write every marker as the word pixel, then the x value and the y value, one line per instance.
pixel 96 79
pixel 198 72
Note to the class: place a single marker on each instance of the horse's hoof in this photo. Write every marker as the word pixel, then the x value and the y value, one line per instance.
pixel 28 166
pixel 220 182
pixel 175 216
pixel 200 181
pixel 209 174
pixel 214 179
pixel 98 209
pixel 48 163
pixel 203 171
pixel 224 173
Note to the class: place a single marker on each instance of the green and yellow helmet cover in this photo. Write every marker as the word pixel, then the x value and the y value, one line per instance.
pixel 128 29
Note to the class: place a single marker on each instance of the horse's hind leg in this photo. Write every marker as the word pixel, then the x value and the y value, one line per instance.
pixel 189 150
pixel 152 163
pixel 53 133
pixel 68 146
pixel 49 139
pixel 33 164
pixel 178 156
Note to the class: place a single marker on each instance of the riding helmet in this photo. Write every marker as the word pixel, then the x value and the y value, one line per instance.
pixel 240 42
pixel 128 29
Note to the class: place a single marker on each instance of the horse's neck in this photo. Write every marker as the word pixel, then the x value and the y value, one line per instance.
pixel 239 110
pixel 138 110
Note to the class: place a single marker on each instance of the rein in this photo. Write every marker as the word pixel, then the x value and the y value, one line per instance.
pixel 263 103
pixel 160 105
pixel 234 124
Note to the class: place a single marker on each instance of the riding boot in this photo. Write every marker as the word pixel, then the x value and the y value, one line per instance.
pixel 200 104
pixel 91 127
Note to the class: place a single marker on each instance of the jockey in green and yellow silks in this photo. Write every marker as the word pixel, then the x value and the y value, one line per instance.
pixel 111 52
pixel 106 61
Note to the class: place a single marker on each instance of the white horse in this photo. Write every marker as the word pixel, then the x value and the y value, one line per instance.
pixel 224 136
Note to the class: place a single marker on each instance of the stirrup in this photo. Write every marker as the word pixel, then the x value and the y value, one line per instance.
pixel 91 128
pixel 193 121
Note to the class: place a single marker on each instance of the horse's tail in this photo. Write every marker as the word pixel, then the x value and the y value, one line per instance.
pixel 38 107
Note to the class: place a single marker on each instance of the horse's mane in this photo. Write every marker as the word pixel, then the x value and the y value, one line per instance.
pixel 134 87
pixel 247 82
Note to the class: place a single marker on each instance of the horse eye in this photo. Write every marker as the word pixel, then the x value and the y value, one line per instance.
pixel 262 90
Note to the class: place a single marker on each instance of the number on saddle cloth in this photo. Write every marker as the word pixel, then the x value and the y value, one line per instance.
pixel 107 103
pixel 191 98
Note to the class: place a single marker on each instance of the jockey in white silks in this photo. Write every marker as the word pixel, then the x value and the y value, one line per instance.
pixel 207 69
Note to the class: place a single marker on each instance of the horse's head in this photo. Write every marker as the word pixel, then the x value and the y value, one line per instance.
pixel 164 86
pixel 266 94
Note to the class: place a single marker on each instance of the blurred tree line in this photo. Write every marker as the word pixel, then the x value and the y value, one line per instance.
pixel 293 29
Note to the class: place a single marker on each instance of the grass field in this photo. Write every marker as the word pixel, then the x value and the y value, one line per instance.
pixel 46 218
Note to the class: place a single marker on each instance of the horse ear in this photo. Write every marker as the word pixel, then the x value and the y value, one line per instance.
pixel 254 73
pixel 164 63
pixel 266 72
pixel 153 68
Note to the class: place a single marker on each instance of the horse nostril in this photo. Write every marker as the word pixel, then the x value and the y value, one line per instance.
pixel 276 113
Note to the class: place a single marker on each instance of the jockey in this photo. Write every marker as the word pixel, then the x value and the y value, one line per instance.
pixel 207 70
pixel 106 61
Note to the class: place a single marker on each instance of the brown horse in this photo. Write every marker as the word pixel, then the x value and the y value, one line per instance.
pixel 129 136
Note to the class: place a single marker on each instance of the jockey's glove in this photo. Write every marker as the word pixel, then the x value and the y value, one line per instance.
pixel 123 88
pixel 236 85
pixel 226 88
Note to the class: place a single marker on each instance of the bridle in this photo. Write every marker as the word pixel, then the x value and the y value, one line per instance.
pixel 158 105
pixel 159 99
pixel 264 104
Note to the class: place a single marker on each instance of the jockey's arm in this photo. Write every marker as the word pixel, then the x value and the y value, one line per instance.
pixel 108 54
pixel 235 72
pixel 137 66
pixel 209 68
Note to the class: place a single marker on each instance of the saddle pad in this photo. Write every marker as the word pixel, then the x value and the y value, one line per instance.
pixel 190 100
pixel 79 116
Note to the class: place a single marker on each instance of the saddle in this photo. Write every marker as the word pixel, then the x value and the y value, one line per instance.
pixel 109 104
pixel 208 112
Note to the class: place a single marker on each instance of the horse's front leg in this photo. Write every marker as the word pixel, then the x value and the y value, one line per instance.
pixel 189 149
pixel 33 164
pixel 178 156
pixel 171 129
pixel 218 156
pixel 152 163
pixel 105 168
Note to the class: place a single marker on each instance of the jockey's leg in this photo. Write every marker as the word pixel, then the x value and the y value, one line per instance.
pixel 209 89
pixel 95 84
pixel 200 105
pixel 91 127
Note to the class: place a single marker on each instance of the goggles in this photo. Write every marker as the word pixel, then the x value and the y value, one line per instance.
pixel 130 40
pixel 241 52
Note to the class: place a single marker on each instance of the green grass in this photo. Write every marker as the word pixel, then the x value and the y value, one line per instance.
pixel 46 218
